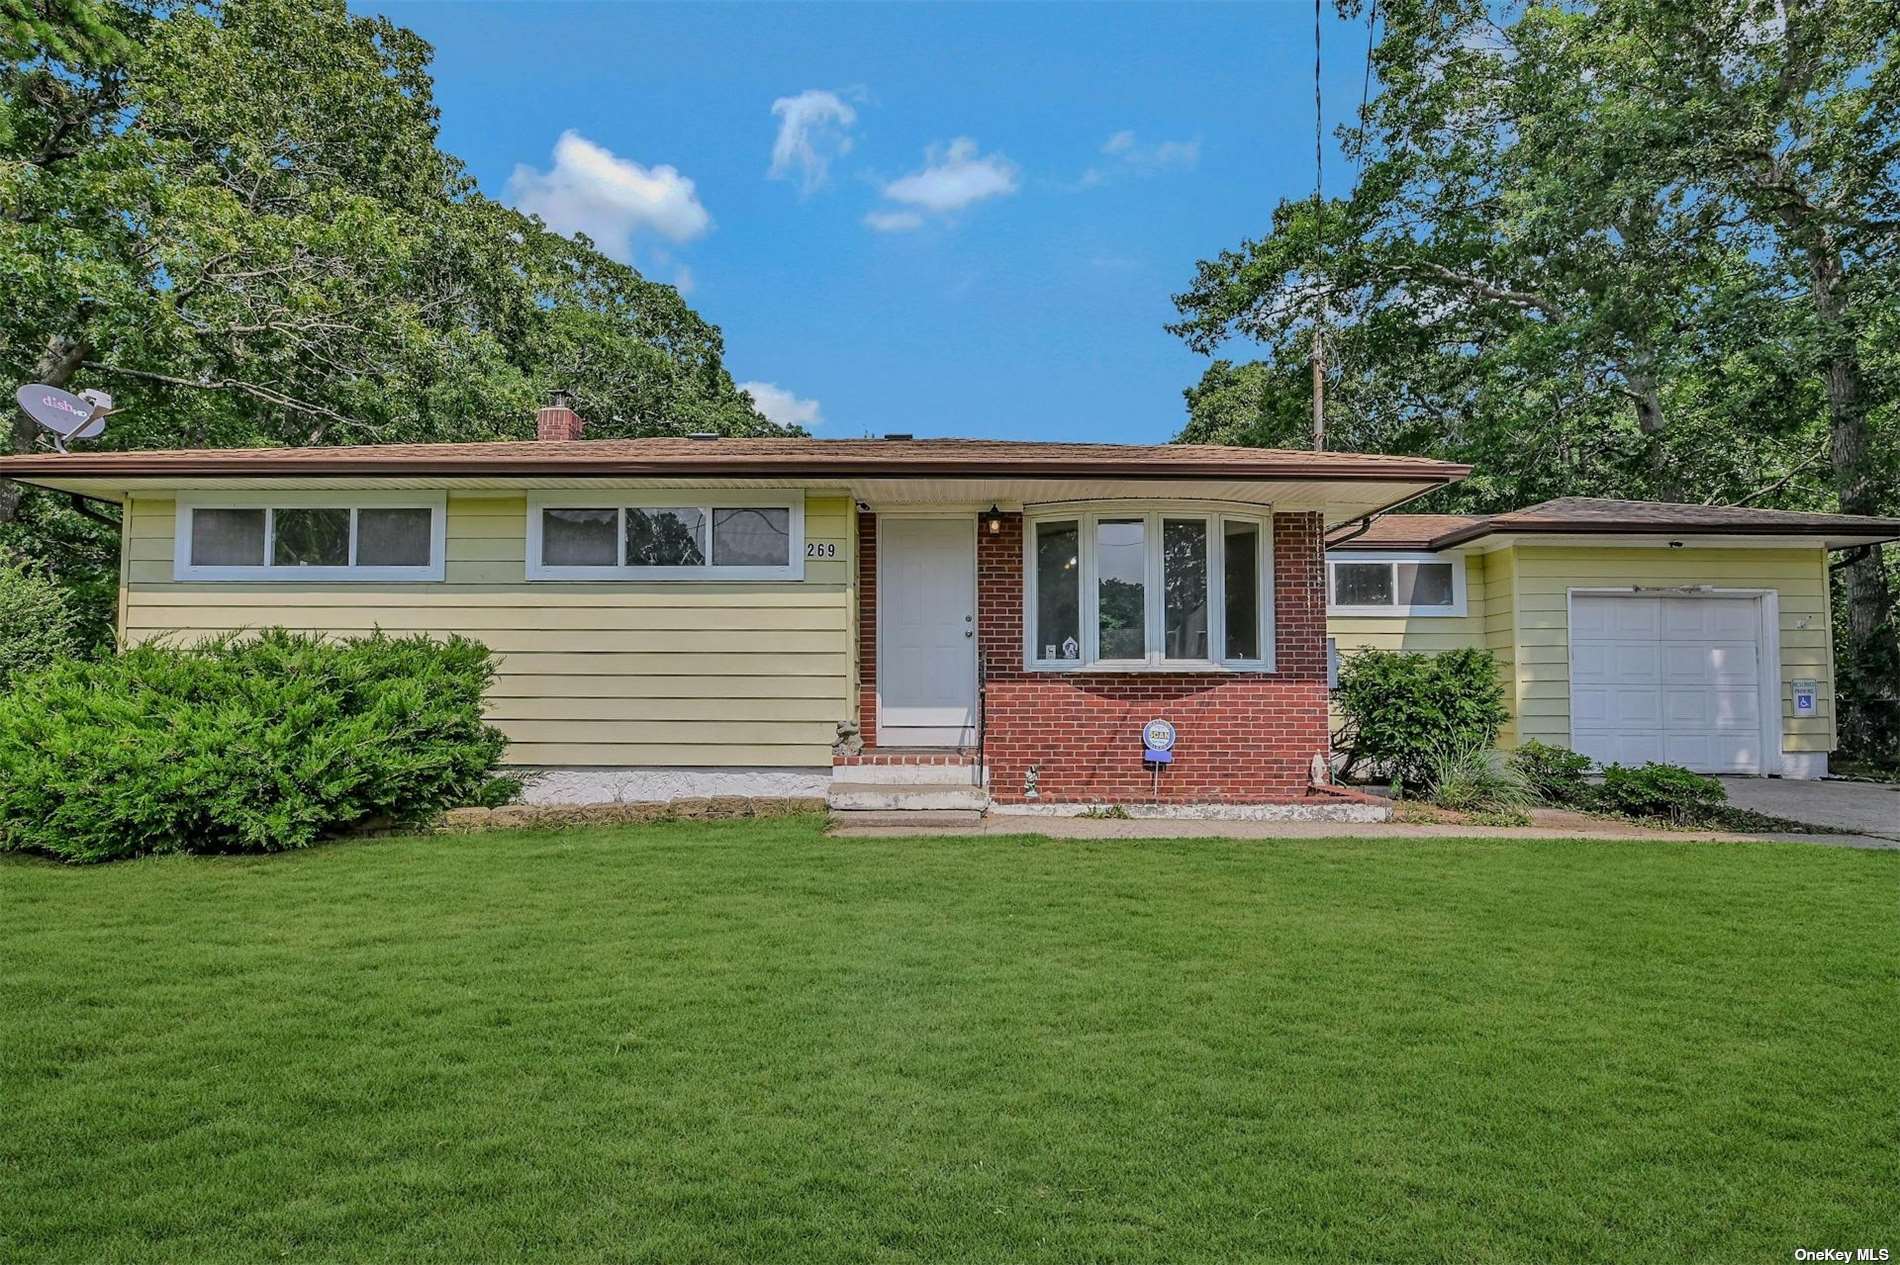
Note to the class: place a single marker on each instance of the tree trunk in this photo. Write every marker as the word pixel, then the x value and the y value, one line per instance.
pixel 1868 601
pixel 1647 398
pixel 56 366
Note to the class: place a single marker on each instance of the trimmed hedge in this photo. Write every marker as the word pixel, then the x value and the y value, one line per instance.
pixel 37 626
pixel 242 745
pixel 1554 775
pixel 1661 792
pixel 1402 710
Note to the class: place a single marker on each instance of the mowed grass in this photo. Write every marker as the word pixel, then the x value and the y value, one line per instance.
pixel 747 1042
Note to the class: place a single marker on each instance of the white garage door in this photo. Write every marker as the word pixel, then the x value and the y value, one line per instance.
pixel 1675 679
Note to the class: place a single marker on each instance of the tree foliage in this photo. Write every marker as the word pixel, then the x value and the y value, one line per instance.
pixel 1640 248
pixel 235 218
pixel 245 231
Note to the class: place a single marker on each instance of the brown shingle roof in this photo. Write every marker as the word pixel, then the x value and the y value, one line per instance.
pixel 764 458
pixel 1587 515
pixel 1401 531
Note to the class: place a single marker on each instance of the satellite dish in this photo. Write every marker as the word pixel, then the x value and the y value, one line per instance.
pixel 66 415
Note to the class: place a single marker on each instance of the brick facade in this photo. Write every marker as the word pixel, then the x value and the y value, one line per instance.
pixel 1246 737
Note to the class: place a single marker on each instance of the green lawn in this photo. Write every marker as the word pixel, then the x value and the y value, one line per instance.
pixel 746 1042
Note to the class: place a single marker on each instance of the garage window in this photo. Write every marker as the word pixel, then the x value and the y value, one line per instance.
pixel 1394 584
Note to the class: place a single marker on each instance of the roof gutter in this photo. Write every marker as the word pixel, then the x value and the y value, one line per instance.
pixel 27 469
pixel 1464 534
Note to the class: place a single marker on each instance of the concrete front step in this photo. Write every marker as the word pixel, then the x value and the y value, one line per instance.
pixel 870 820
pixel 906 774
pixel 886 798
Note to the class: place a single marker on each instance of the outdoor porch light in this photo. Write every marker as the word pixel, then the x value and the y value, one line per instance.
pixel 993 520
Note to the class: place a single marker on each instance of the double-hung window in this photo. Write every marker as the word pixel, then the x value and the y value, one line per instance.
pixel 1140 588
pixel 1394 584
pixel 667 536
pixel 309 536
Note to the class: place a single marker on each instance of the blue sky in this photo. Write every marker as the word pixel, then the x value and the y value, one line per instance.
pixel 942 219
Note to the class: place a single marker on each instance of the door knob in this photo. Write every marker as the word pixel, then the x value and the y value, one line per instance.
pixel 968 633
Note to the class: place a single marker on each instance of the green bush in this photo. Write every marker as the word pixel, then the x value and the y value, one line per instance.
pixel 1553 775
pixel 1660 792
pixel 36 624
pixel 251 745
pixel 1401 710
pixel 1467 777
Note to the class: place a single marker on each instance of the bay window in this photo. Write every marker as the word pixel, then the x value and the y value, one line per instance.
pixel 671 536
pixel 309 536
pixel 1148 589
pixel 1394 584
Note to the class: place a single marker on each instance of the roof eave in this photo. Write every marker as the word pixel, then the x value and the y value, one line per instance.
pixel 1835 537
pixel 36 469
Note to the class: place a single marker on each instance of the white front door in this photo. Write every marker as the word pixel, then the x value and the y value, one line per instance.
pixel 1672 679
pixel 926 620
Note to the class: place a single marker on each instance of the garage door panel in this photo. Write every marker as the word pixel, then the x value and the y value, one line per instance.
pixel 1736 709
pixel 1590 662
pixel 1688 709
pixel 1674 679
pixel 1589 707
pixel 1713 752
pixel 1642 707
pixel 1618 746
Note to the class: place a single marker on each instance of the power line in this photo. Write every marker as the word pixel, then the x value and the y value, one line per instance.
pixel 1319 244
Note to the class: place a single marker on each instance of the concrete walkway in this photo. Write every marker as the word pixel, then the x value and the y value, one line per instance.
pixel 1397 832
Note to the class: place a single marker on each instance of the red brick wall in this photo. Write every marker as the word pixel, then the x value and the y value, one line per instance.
pixel 1243 737
pixel 867 628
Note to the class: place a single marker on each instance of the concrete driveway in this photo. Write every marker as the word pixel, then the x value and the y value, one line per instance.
pixel 1865 808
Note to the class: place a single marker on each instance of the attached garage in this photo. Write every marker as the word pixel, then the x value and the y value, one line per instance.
pixel 1681 678
pixel 1629 631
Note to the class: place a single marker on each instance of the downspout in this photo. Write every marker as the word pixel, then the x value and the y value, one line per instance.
pixel 1365 525
pixel 1850 556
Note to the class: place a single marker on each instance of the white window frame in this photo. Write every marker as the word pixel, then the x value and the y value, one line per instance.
pixel 1455 561
pixel 680 498
pixel 271 501
pixel 1086 516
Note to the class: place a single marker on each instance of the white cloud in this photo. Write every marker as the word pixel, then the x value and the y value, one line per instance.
pixel 782 406
pixel 954 176
pixel 611 199
pixel 894 221
pixel 814 127
pixel 1132 158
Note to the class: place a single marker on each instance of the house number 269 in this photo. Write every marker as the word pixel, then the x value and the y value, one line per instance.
pixel 815 550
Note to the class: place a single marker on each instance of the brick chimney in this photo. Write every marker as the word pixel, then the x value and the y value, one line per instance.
pixel 557 419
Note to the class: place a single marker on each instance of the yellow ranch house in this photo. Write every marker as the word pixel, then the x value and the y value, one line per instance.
pixel 997 625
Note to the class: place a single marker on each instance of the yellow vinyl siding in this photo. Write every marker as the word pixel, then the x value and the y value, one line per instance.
pixel 1546 575
pixel 611 673
pixel 1500 634
pixel 1430 634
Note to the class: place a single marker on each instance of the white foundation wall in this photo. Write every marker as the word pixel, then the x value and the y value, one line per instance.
pixel 598 785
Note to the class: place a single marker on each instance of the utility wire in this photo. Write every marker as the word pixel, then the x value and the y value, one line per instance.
pixel 1319 245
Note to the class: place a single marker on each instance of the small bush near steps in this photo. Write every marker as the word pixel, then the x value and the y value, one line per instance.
pixel 1553 775
pixel 1403 711
pixel 252 745
pixel 1660 792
